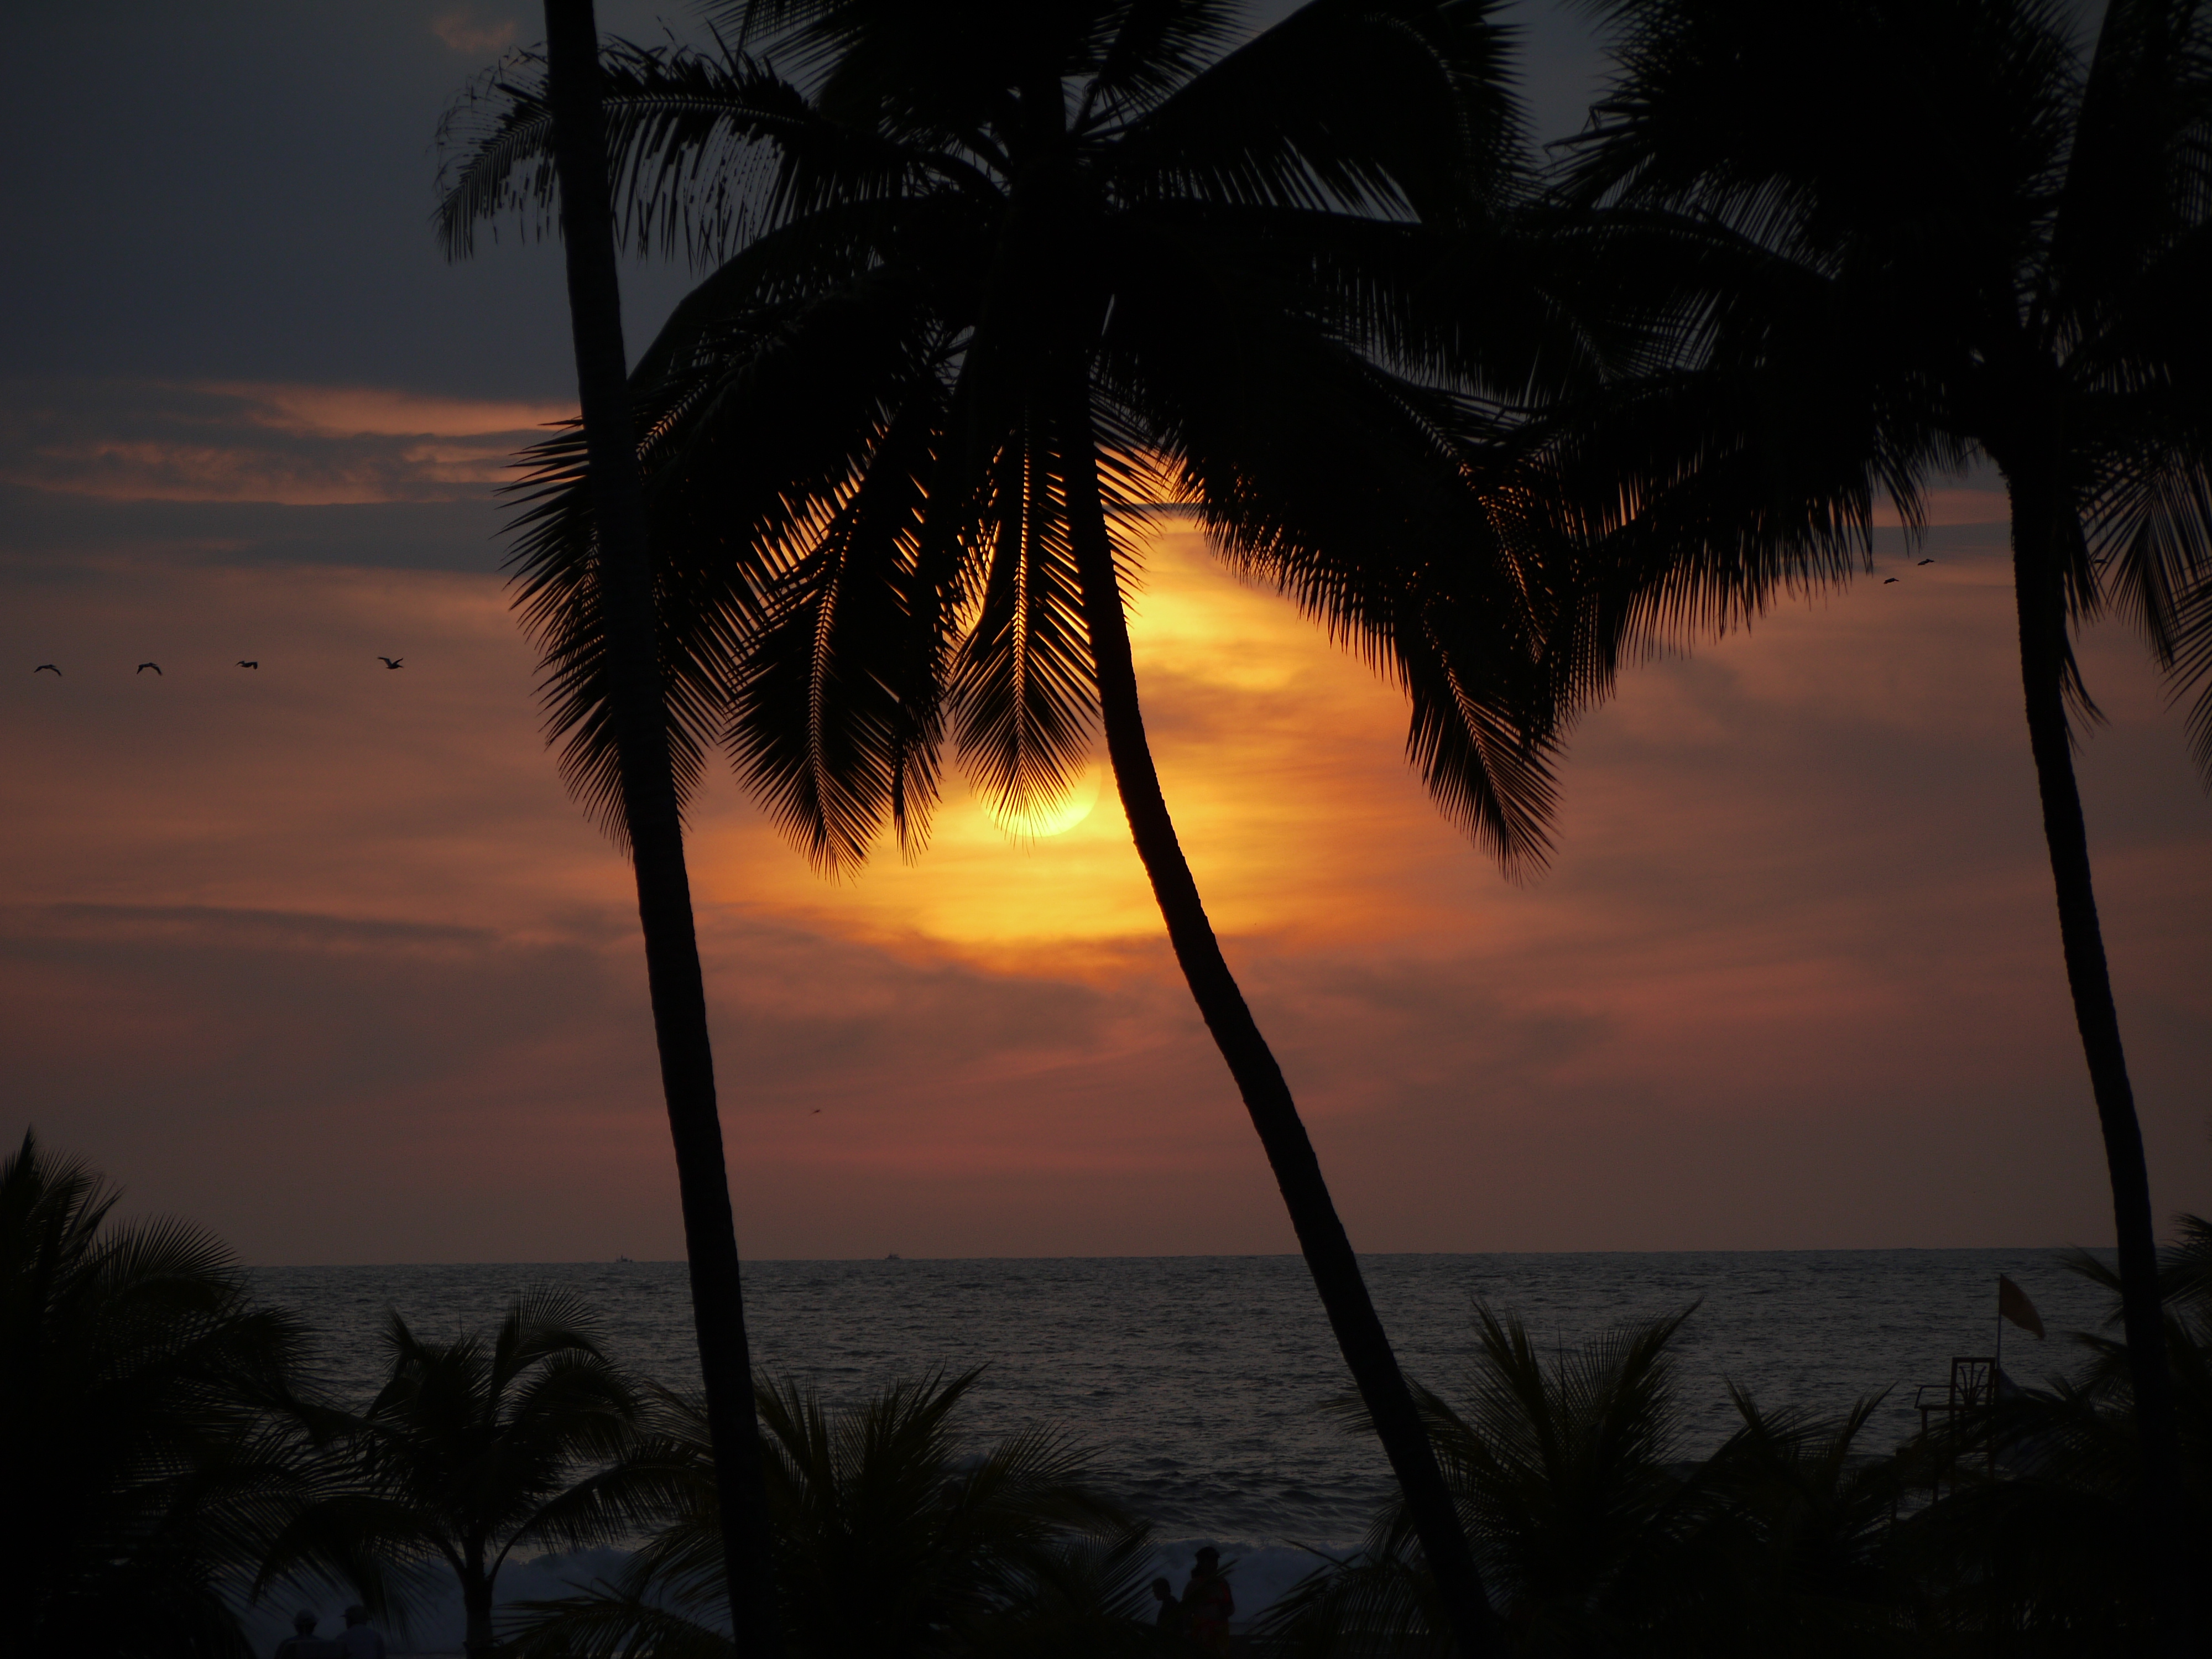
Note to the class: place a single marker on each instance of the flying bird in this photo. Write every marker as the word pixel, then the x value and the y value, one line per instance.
pixel 1887 580
pixel 1928 561
pixel 242 663
pixel 143 666
pixel 392 662
pixel 47 668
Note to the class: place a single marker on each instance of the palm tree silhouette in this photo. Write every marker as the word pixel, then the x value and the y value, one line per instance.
pixel 894 1535
pixel 472 1449
pixel 638 792
pixel 147 1447
pixel 1560 1469
pixel 1904 235
pixel 985 277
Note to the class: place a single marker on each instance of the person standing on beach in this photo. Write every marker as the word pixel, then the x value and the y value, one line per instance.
pixel 1207 1606
pixel 303 1643
pixel 357 1640
pixel 1171 1613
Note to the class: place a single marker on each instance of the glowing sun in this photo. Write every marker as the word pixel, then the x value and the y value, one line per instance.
pixel 1047 818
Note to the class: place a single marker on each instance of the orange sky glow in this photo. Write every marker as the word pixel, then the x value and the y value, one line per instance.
pixel 321 955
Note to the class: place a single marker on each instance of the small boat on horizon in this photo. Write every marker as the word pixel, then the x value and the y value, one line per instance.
pixel 893 1256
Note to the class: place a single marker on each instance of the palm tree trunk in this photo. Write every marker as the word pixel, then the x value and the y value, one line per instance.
pixel 477 1639
pixel 1321 1234
pixel 2039 515
pixel 656 833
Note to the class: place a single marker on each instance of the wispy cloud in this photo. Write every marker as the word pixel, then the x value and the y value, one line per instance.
pixel 274 927
pixel 462 31
pixel 234 441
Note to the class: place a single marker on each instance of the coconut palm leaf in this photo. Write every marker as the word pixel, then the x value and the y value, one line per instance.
pixel 894 1538
pixel 475 1448
pixel 1135 259
pixel 1909 236
pixel 151 1438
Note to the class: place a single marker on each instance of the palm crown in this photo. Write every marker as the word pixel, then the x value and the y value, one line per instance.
pixel 475 1447
pixel 149 1443
pixel 993 274
pixel 1907 235
pixel 987 267
pixel 894 1536
pixel 1901 234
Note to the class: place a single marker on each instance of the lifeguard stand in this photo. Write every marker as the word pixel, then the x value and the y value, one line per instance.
pixel 1948 1410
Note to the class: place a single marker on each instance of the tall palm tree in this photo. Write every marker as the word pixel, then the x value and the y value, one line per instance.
pixel 984 275
pixel 1906 233
pixel 472 1449
pixel 894 1536
pixel 2057 1552
pixel 147 1450
pixel 641 798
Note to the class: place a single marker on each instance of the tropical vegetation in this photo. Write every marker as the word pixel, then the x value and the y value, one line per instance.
pixel 2013 1530
pixel 893 1536
pixel 171 1460
pixel 1876 241
pixel 641 798
pixel 984 280
pixel 473 1450
pixel 149 1449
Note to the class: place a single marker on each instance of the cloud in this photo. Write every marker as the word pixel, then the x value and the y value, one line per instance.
pixel 321 955
pixel 460 32
pixel 230 441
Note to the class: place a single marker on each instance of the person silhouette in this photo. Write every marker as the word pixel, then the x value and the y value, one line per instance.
pixel 357 1640
pixel 303 1643
pixel 1207 1606
pixel 1169 1617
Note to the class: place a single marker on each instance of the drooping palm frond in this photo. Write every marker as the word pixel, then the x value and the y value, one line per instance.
pixel 477 1446
pixel 799 596
pixel 152 1441
pixel 893 1537
pixel 1562 1469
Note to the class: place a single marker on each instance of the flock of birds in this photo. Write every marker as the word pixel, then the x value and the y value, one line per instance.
pixel 49 668
pixel 399 662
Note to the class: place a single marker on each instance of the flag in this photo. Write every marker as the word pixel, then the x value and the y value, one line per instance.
pixel 2013 1304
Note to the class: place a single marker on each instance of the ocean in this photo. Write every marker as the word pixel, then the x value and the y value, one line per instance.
pixel 1202 1381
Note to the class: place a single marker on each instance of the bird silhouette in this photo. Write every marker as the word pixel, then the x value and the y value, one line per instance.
pixel 143 666
pixel 392 662
pixel 47 668
pixel 1928 561
pixel 242 663
pixel 817 1112
pixel 1887 580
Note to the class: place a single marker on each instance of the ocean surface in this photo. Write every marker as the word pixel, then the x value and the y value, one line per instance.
pixel 1202 1382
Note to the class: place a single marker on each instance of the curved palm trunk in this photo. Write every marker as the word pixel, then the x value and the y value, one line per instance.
pixel 656 833
pixel 1322 1237
pixel 2037 515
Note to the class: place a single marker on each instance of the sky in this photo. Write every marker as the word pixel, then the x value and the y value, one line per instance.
pixel 318 954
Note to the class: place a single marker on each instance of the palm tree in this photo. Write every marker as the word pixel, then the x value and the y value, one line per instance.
pixel 640 796
pixel 1906 233
pixel 892 1539
pixel 1561 1471
pixel 147 1442
pixel 472 1449
pixel 1809 1518
pixel 2055 1551
pixel 985 276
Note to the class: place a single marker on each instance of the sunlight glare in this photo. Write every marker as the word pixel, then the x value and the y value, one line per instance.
pixel 1044 820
